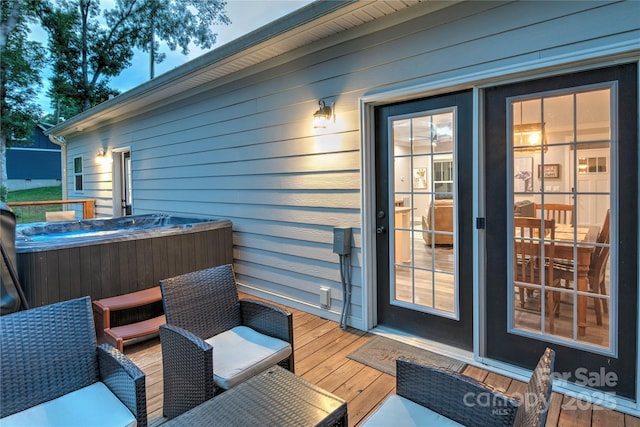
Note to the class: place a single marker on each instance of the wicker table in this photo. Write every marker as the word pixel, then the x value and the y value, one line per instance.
pixel 275 397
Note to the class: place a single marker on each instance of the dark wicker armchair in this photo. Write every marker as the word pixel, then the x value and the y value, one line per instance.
pixel 203 311
pixel 436 396
pixel 49 360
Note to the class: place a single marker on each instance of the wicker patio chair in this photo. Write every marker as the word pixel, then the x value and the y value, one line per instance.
pixel 208 343
pixel 429 396
pixel 49 362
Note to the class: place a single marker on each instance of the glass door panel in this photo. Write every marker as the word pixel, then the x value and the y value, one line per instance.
pixel 424 256
pixel 560 282
pixel 579 149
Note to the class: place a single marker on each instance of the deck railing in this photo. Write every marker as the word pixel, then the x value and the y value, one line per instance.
pixel 27 212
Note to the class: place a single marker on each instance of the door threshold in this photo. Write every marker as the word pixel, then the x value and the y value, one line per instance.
pixel 425 344
pixel 613 402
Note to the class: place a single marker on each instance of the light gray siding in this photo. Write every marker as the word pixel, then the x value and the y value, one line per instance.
pixel 244 148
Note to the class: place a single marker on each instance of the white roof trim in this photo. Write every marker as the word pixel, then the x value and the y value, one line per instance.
pixel 302 27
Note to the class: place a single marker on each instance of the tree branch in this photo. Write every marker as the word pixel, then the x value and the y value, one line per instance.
pixel 9 24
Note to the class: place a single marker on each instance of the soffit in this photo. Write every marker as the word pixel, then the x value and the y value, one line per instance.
pixel 308 25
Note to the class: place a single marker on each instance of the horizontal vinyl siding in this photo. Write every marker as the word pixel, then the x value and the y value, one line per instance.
pixel 245 150
pixel 97 178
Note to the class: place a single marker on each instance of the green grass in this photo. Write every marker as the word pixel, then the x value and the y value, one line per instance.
pixel 35 194
pixel 26 214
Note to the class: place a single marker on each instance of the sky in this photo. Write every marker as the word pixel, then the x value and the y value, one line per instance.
pixel 245 16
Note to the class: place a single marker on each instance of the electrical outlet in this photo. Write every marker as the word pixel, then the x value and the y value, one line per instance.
pixel 325 297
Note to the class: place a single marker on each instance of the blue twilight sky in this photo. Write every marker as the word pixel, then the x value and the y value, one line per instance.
pixel 245 16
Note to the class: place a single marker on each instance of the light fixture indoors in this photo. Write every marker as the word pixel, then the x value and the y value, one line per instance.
pixel 323 115
pixel 528 137
pixel 527 134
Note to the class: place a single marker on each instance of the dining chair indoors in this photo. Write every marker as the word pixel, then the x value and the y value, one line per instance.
pixel 213 340
pixel 597 270
pixel 531 259
pixel 560 212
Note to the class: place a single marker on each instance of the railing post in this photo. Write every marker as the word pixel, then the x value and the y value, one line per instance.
pixel 89 209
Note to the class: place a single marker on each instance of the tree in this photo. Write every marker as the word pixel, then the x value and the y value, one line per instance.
pixel 20 63
pixel 10 15
pixel 88 46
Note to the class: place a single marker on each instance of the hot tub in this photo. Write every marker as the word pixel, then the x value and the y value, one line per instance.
pixel 107 257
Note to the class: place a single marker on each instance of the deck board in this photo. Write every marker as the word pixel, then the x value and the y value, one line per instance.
pixel 603 417
pixel 321 350
pixel 555 407
pixel 575 413
pixel 631 421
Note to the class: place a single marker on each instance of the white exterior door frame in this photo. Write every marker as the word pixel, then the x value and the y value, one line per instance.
pixel 576 61
pixel 118 177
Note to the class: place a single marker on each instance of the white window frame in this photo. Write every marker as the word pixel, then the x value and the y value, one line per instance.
pixel 78 174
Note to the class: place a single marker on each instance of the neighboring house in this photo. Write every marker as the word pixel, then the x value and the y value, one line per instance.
pixel 35 163
pixel 444 116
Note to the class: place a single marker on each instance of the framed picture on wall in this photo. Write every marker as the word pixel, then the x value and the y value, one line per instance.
pixel 419 178
pixel 523 174
pixel 551 171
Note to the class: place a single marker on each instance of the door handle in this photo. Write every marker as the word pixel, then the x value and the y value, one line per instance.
pixel 381 230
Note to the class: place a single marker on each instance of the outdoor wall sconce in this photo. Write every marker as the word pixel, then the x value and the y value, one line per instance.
pixel 322 117
pixel 102 157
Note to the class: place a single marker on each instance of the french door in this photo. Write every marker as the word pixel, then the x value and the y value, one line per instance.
pixel 424 218
pixel 566 143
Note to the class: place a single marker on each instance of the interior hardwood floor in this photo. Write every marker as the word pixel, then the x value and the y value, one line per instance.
pixel 528 318
pixel 430 284
pixel 321 350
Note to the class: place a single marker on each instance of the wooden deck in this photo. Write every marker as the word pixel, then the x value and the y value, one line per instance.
pixel 321 350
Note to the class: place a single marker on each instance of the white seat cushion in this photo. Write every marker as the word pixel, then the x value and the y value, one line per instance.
pixel 398 411
pixel 241 352
pixel 93 406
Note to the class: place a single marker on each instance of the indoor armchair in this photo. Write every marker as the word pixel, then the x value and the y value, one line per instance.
pixel 213 341
pixel 438 223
